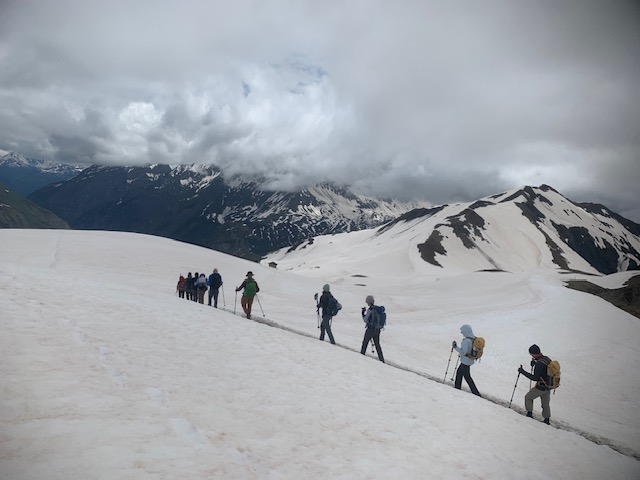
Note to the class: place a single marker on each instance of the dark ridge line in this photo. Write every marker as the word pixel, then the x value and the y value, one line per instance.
pixel 557 424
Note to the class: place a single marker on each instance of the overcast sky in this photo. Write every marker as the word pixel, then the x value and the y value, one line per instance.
pixel 442 101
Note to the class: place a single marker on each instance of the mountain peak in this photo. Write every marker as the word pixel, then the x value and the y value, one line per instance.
pixel 525 229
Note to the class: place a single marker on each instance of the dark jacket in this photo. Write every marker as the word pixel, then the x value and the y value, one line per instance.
pixel 215 280
pixel 540 373
pixel 323 303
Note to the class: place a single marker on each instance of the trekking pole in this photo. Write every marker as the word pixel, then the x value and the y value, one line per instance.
pixel 447 370
pixel 224 302
pixel 514 388
pixel 372 350
pixel 235 303
pixel 258 298
pixel 315 297
pixel 454 370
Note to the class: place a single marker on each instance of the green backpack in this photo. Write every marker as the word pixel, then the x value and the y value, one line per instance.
pixel 250 288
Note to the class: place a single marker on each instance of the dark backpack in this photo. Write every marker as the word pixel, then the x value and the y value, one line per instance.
pixel 378 317
pixel 215 280
pixel 333 306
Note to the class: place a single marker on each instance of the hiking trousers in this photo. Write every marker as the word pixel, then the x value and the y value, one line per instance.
pixel 325 326
pixel 464 371
pixel 213 293
pixel 372 334
pixel 545 398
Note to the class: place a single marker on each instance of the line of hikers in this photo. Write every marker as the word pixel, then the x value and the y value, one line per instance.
pixel 194 287
pixel 544 371
pixel 373 316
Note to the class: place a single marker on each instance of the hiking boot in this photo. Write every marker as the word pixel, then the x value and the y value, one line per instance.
pixel 530 414
pixel 546 420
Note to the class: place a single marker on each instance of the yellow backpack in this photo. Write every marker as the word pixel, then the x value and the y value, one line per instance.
pixel 553 372
pixel 477 348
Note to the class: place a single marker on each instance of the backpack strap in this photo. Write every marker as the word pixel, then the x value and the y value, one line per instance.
pixel 468 354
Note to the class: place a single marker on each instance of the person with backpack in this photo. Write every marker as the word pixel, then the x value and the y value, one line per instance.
pixel 374 318
pixel 180 286
pixel 466 359
pixel 214 282
pixel 250 289
pixel 188 286
pixel 201 287
pixel 330 307
pixel 542 388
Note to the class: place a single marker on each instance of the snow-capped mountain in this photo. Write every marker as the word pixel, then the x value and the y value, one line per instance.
pixel 197 204
pixel 519 230
pixel 24 175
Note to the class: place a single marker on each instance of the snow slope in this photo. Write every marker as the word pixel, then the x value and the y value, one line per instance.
pixel 107 374
pixel 532 228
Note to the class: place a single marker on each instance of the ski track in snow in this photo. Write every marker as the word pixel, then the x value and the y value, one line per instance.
pixel 558 424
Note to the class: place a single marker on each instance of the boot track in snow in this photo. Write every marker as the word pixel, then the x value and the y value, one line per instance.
pixel 560 425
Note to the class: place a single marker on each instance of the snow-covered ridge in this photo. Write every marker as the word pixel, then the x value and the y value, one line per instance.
pixel 519 230
pixel 16 160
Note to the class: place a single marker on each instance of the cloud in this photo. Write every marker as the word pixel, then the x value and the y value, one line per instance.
pixel 412 99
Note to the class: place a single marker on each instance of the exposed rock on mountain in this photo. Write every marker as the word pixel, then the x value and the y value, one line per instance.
pixel 196 204
pixel 524 229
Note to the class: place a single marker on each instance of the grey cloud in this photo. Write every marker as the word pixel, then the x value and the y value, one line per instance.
pixel 412 99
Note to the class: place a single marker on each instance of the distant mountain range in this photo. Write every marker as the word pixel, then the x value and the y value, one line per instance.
pixel 25 175
pixel 525 229
pixel 18 212
pixel 197 204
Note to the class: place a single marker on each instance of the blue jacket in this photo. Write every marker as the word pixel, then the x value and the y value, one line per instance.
pixel 466 345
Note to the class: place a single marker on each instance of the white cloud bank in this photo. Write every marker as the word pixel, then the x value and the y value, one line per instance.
pixel 410 99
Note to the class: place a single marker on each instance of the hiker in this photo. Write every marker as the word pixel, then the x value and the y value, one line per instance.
pixel 541 389
pixel 372 330
pixel 188 286
pixel 180 286
pixel 464 370
pixel 323 304
pixel 214 282
pixel 251 288
pixel 194 289
pixel 201 287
